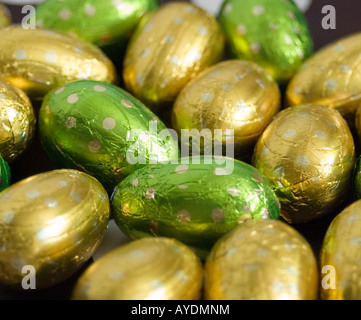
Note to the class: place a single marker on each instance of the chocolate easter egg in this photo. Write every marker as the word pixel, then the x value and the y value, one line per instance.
pixel 101 129
pixel 232 95
pixel 330 77
pixel 4 174
pixel 5 17
pixel 340 256
pixel 308 154
pixel 195 203
pixel 99 22
pixel 37 60
pixel 17 121
pixel 273 33
pixel 261 260
pixel 52 222
pixel 146 269
pixel 177 43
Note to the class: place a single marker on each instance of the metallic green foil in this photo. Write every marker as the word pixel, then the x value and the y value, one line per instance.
pixel 193 203
pixel 5 175
pixel 273 33
pixel 99 22
pixel 88 125
pixel 357 179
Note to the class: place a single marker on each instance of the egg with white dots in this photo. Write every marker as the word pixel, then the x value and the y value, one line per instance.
pixel 330 77
pixel 43 225
pixel 118 19
pixel 340 256
pixel 261 260
pixel 195 203
pixel 168 50
pixel 274 34
pixel 146 269
pixel 96 127
pixel 236 95
pixel 307 152
pixel 53 61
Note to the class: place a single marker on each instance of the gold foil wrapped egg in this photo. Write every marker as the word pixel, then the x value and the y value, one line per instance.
pixel 331 77
pixel 237 95
pixel 341 256
pixel 261 260
pixel 52 222
pixel 146 269
pixel 38 61
pixel 307 153
pixel 5 17
pixel 17 121
pixel 171 48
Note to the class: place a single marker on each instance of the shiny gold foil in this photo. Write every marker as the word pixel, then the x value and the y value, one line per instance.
pixel 147 269
pixel 37 60
pixel 237 95
pixel 308 155
pixel 5 17
pixel 332 77
pixel 173 47
pixel 341 256
pixel 261 260
pixel 54 222
pixel 17 121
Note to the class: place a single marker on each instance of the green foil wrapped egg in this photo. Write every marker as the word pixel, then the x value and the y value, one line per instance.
pixel 99 22
pixel 99 128
pixel 5 17
pixel 341 256
pixel 4 174
pixel 273 33
pixel 177 42
pixel 52 222
pixel 308 154
pixel 195 203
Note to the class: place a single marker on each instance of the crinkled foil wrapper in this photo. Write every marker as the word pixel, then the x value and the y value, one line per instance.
pixel 99 22
pixel 168 50
pixel 341 256
pixel 37 60
pixel 17 121
pixel 261 260
pixel 5 174
pixel 308 155
pixel 273 33
pixel 331 77
pixel 147 269
pixel 54 222
pixel 193 203
pixel 233 95
pixel 88 125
